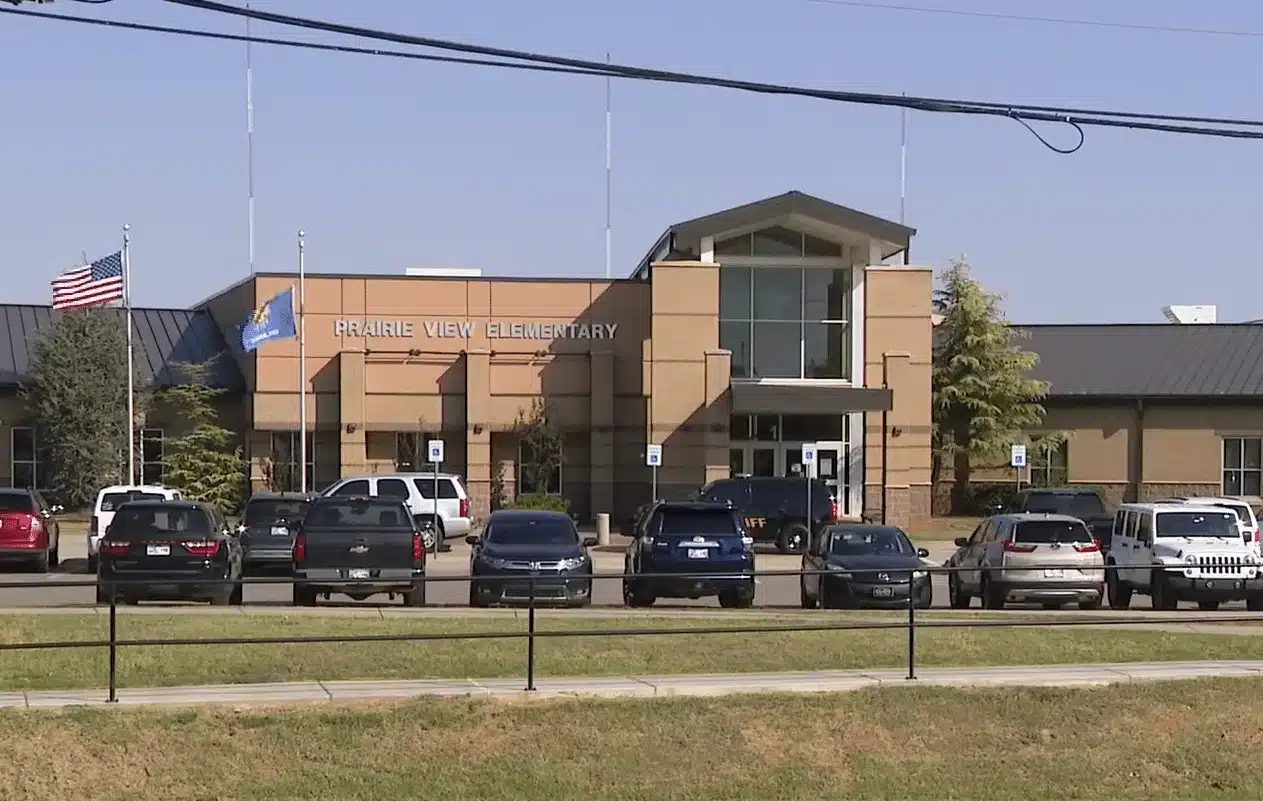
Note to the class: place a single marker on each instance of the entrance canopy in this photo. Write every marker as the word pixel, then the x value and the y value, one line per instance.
pixel 760 398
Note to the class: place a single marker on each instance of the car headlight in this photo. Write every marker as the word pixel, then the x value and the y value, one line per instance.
pixel 572 563
pixel 919 574
pixel 1190 559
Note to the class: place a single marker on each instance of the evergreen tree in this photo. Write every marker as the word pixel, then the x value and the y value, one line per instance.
pixel 204 463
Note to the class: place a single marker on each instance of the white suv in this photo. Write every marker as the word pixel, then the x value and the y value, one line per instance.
pixel 1176 552
pixel 109 499
pixel 418 491
pixel 1245 515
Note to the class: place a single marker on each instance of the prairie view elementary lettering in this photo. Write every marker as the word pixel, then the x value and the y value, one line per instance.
pixel 492 329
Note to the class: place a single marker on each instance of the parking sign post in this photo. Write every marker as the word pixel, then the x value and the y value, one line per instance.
pixel 653 458
pixel 809 468
pixel 1017 458
pixel 434 450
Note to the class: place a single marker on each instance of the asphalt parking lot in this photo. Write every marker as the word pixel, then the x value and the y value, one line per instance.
pixel 773 591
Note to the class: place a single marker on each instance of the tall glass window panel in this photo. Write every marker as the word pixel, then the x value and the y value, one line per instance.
pixel 826 350
pixel 777 350
pixel 735 297
pixel 735 337
pixel 778 294
pixel 827 294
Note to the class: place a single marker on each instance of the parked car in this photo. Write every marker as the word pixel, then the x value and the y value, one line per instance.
pixel 169 550
pixel 867 566
pixel 267 540
pixel 107 502
pixel 29 532
pixel 1245 515
pixel 417 490
pixel 359 547
pixel 1176 552
pixel 1027 557
pixel 702 542
pixel 1079 502
pixel 525 553
pixel 775 509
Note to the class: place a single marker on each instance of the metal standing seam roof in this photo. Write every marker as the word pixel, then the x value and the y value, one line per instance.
pixel 162 339
pixel 1163 360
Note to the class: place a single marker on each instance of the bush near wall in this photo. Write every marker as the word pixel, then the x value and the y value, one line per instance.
pixel 982 497
pixel 541 503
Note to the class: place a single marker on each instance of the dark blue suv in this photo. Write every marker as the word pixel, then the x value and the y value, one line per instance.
pixel 704 543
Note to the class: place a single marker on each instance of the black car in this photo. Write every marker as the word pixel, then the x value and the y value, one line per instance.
pixel 521 552
pixel 701 542
pixel 265 532
pixel 169 550
pixel 775 509
pixel 1079 502
pixel 360 547
pixel 865 566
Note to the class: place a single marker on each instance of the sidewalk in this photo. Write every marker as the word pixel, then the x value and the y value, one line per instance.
pixel 640 687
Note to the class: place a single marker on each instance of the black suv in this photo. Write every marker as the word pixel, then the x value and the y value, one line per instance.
pixel 775 509
pixel 1078 502
pixel 702 543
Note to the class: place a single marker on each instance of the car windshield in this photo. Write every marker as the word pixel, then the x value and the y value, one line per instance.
pixel 356 513
pixel 145 522
pixel 16 502
pixel 1078 504
pixel 1198 524
pixel 1047 532
pixel 266 512
pixel 685 522
pixel 862 542
pixel 531 531
pixel 112 500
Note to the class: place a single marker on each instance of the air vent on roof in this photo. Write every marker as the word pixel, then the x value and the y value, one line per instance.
pixel 444 272
pixel 1191 315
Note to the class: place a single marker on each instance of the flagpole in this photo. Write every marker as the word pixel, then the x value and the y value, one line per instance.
pixel 903 160
pixel 302 365
pixel 250 139
pixel 609 176
pixel 131 369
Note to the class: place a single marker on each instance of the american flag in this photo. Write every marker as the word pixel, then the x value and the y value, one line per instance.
pixel 93 284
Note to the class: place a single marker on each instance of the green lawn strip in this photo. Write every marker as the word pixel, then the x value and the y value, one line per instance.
pixel 1178 740
pixel 686 652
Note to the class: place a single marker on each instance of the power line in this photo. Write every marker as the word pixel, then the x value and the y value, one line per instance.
pixel 1085 23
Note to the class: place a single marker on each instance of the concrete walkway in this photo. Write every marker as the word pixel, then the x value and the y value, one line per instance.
pixel 246 695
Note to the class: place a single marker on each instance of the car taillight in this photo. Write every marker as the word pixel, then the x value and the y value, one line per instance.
pixel 35 523
pixel 1016 547
pixel 1256 536
pixel 202 547
pixel 1091 547
pixel 833 512
pixel 418 549
pixel 93 525
pixel 115 547
pixel 299 551
pixel 464 507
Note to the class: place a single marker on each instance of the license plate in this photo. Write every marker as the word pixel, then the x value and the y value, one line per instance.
pixel 1053 572
pixel 158 550
pixel 359 574
pixel 280 531
pixel 883 592
pixel 698 553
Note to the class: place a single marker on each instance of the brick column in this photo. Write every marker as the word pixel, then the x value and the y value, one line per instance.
pixel 718 403
pixel 897 498
pixel 352 457
pixel 477 431
pixel 601 446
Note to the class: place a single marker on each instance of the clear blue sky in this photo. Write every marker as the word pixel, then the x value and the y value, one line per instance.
pixel 388 163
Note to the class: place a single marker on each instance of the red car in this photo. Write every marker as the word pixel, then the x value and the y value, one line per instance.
pixel 28 529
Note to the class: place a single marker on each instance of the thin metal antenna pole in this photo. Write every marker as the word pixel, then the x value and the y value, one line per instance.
pixel 609 177
pixel 903 161
pixel 250 140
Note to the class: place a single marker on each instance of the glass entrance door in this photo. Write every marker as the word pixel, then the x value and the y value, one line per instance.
pixel 833 468
pixel 749 459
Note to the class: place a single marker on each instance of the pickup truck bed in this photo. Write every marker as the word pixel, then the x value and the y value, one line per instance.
pixel 359 548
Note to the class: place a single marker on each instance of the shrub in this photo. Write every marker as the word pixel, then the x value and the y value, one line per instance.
pixel 541 502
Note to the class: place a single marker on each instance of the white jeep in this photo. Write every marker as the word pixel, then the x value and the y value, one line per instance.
pixel 1176 552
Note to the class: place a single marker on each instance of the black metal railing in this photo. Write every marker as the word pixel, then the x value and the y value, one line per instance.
pixel 912 622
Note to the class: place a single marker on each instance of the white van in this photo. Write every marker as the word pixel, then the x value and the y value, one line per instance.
pixel 109 499
pixel 1176 552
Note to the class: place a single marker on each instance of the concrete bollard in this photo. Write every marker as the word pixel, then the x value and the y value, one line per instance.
pixel 603 529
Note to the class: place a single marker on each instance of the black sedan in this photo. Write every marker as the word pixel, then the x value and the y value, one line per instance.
pixel 525 554
pixel 267 528
pixel 865 566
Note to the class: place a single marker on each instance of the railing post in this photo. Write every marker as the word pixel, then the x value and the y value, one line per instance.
pixel 113 699
pixel 912 629
pixel 530 639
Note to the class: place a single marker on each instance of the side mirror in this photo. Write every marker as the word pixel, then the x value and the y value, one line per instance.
pixel 590 542
pixel 472 539
pixel 960 542
pixel 924 553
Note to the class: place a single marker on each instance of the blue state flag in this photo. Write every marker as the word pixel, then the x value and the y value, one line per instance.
pixel 274 320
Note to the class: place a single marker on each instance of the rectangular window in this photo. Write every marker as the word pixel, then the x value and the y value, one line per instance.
pixel 412 451
pixel 285 452
pixel 526 483
pixel 26 467
pixel 151 449
pixel 1049 465
pixel 1243 466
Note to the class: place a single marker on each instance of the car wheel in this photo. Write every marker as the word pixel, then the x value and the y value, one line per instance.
pixel 103 594
pixel 634 597
pixel 992 594
pixel 1090 606
pixel 925 597
pixel 792 539
pixel 736 599
pixel 222 596
pixel 1160 595
pixel 805 600
pixel 1254 603
pixel 415 597
pixel 238 594
pixel 54 556
pixel 1118 592
pixel 91 564
pixel 40 565
pixel 956 597
pixel 1051 606
pixel 304 596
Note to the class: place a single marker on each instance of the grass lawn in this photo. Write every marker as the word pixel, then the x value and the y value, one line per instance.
pixel 945 529
pixel 1179 740
pixel 568 656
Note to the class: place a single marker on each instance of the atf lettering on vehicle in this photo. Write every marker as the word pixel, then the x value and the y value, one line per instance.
pixel 755 522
